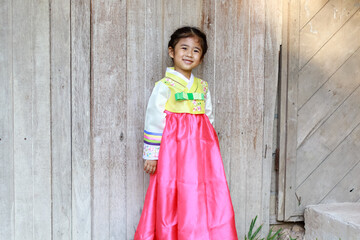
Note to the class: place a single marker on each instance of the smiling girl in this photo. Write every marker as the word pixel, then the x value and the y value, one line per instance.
pixel 188 195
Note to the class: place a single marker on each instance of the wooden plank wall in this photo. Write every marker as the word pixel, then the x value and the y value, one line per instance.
pixel 76 76
pixel 321 100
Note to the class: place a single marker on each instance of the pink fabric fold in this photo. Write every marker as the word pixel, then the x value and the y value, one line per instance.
pixel 188 196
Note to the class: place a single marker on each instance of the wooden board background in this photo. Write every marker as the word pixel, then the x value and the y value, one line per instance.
pixel 320 105
pixel 75 79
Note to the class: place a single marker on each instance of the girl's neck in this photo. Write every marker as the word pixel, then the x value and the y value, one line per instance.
pixel 186 74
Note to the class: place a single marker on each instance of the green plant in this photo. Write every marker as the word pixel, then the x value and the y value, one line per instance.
pixel 254 236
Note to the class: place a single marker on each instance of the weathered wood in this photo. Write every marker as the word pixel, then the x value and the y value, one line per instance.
pixel 6 124
pixel 41 107
pixel 190 13
pixel 61 119
pixel 206 70
pixel 31 121
pixel 135 120
pixel 329 112
pixel 109 120
pixel 282 112
pixel 330 171
pixel 255 109
pixel 347 189
pixel 80 127
pixel 293 68
pixel 328 98
pixel 171 22
pixel 321 67
pixel 309 9
pixel 328 136
pixel 153 56
pixel 228 123
pixel 271 66
pixel 323 25
pixel 22 93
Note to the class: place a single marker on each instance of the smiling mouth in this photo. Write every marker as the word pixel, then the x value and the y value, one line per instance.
pixel 188 61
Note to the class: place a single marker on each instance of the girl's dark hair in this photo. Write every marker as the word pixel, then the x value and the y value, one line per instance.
pixel 185 32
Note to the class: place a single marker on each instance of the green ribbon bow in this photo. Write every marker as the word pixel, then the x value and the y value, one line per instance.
pixel 188 96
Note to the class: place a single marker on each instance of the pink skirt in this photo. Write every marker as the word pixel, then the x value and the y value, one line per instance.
pixel 188 196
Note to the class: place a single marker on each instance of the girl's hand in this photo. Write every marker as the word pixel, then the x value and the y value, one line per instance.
pixel 150 166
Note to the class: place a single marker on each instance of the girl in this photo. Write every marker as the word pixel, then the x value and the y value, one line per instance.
pixel 188 196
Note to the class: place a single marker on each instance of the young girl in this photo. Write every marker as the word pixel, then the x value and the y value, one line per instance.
pixel 188 196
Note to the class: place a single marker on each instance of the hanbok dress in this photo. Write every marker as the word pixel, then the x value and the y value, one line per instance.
pixel 188 195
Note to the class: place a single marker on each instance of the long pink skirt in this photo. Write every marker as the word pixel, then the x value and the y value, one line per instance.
pixel 188 196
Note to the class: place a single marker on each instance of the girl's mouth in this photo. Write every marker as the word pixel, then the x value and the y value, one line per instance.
pixel 188 61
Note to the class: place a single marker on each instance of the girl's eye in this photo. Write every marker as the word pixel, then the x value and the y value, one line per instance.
pixel 196 51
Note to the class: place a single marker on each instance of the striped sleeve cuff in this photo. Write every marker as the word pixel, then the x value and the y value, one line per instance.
pixel 151 138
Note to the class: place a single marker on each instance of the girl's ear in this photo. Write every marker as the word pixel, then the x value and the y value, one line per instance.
pixel 171 52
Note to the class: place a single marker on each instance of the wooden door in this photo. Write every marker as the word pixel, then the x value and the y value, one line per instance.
pixel 320 105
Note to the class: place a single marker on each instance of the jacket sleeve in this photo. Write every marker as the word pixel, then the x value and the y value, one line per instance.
pixel 155 121
pixel 208 107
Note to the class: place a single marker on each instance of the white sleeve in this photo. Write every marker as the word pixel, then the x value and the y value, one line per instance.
pixel 155 121
pixel 208 107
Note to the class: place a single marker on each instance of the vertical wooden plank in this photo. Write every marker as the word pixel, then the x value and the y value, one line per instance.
pixel 241 49
pixel 61 119
pixel 272 47
pixel 228 101
pixel 6 124
pixel 135 119
pixel 32 161
pixel 23 96
pixel 206 70
pixel 190 13
pixel 282 112
pixel 255 109
pixel 41 120
pixel 153 59
pixel 109 118
pixel 171 22
pixel 80 110
pixel 291 140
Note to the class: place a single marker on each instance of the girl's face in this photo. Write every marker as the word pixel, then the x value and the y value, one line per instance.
pixel 186 55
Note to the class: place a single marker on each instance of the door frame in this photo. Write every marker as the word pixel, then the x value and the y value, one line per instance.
pixel 287 201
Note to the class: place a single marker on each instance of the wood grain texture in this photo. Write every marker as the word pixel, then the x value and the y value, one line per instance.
pixel 61 119
pixel 309 9
pixel 41 147
pixel 282 112
pixel 229 132
pixel 136 81
pixel 109 120
pixel 328 98
pixel 153 51
pixel 271 70
pixel 6 124
pixel 328 136
pixel 171 22
pixel 80 113
pixel 347 189
pixel 293 68
pixel 329 59
pixel 23 96
pixel 321 115
pixel 323 25
pixel 331 170
pixel 255 109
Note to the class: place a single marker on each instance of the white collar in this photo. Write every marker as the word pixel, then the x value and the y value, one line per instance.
pixel 172 71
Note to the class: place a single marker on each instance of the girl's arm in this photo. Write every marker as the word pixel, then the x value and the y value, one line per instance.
pixel 155 121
